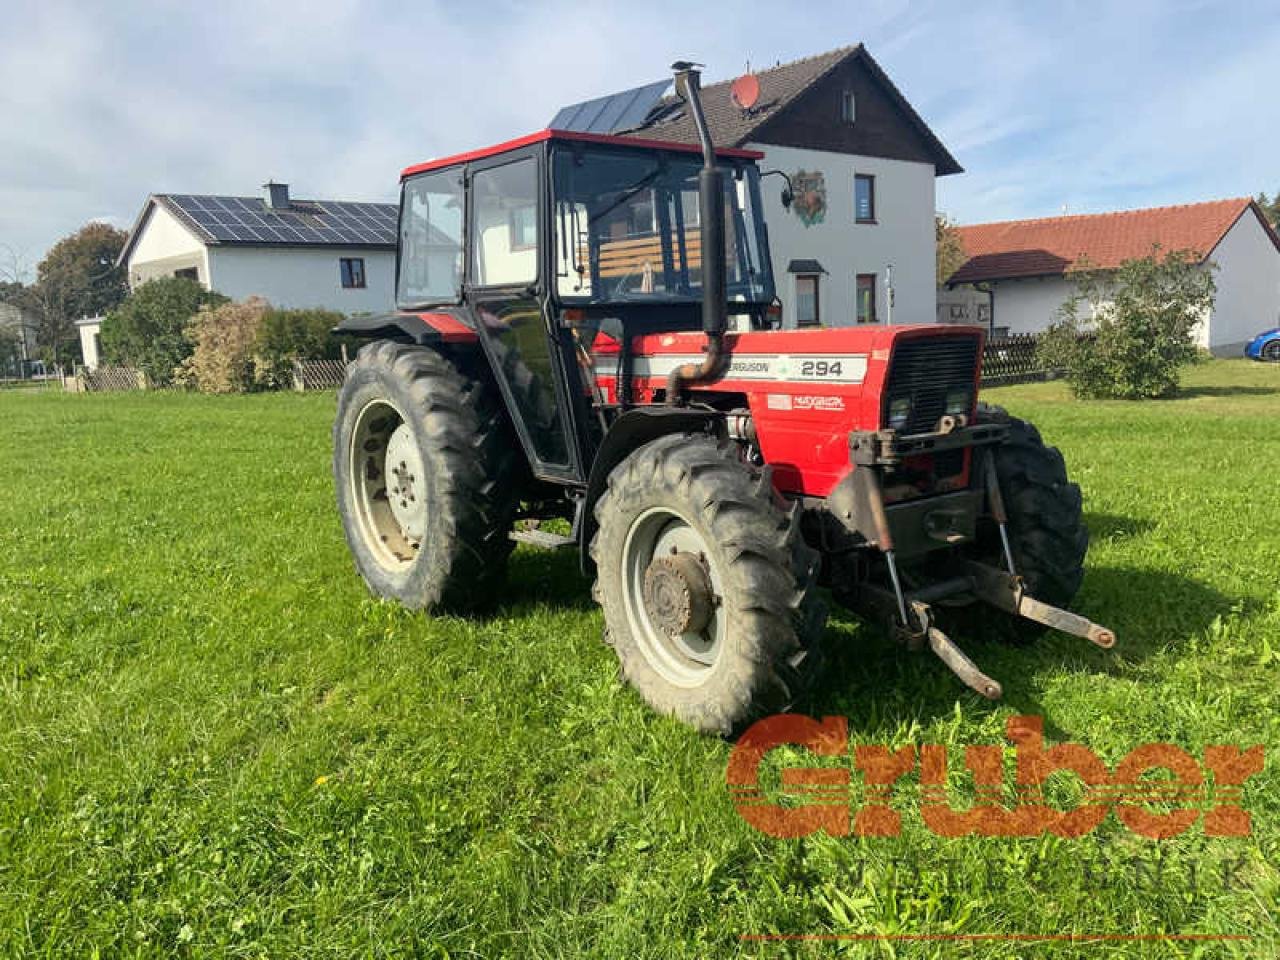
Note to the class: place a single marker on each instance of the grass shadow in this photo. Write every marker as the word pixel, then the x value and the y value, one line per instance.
pixel 1224 390
pixel 881 686
pixel 540 578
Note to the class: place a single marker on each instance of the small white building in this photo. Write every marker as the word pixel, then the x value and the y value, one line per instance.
pixel 856 244
pixel 17 341
pixel 90 331
pixel 1017 276
pixel 333 254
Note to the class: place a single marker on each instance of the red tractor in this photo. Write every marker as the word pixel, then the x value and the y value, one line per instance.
pixel 563 350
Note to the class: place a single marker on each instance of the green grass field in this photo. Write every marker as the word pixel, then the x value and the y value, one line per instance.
pixel 213 742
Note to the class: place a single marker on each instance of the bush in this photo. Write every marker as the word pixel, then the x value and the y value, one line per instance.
pixel 289 335
pixel 225 338
pixel 148 330
pixel 1143 319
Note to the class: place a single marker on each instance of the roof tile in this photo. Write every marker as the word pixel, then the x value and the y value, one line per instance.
pixel 1053 245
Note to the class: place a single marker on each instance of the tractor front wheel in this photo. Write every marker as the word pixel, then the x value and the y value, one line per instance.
pixel 706 584
pixel 1047 533
pixel 424 468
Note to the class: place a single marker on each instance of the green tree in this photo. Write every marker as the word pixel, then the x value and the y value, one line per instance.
pixel 950 246
pixel 1270 208
pixel 289 335
pixel 77 278
pixel 1141 318
pixel 148 330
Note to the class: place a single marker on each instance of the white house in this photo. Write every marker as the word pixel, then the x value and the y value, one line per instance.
pixel 1017 274
pixel 333 254
pixel 856 244
pixel 17 341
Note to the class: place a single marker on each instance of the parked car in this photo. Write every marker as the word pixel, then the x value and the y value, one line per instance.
pixel 1265 346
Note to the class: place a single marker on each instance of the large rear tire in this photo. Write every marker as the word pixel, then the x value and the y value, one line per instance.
pixel 426 475
pixel 1047 533
pixel 706 584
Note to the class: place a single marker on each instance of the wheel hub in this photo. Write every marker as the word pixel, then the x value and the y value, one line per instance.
pixel 405 487
pixel 678 595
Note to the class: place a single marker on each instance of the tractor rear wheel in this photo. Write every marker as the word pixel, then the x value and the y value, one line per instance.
pixel 1047 533
pixel 706 584
pixel 425 471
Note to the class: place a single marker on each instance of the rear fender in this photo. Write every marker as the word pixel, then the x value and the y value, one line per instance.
pixel 425 329
pixel 628 433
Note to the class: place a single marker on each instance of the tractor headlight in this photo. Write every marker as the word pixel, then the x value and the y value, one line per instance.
pixel 959 401
pixel 899 412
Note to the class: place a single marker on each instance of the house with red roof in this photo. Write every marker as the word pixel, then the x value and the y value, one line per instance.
pixel 1018 272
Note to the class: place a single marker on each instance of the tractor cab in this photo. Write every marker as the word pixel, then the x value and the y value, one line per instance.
pixel 556 249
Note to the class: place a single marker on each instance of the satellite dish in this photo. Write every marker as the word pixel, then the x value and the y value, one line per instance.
pixel 745 91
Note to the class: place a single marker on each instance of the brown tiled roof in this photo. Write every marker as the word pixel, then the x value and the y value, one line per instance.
pixel 780 86
pixel 1053 245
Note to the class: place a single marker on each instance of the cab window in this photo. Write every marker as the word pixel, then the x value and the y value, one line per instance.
pixel 504 246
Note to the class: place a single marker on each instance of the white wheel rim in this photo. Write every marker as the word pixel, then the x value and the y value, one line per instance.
pixel 386 486
pixel 688 659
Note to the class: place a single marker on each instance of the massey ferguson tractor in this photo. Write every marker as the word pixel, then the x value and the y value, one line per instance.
pixel 563 350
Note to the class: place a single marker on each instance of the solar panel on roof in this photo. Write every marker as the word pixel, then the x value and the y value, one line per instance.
pixel 248 220
pixel 618 111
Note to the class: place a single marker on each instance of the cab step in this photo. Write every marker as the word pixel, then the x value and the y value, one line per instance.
pixel 543 539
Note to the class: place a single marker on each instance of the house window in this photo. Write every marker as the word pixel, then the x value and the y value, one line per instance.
pixel 807 314
pixel 523 224
pixel 864 198
pixel 867 298
pixel 352 272
pixel 848 107
pixel 188 273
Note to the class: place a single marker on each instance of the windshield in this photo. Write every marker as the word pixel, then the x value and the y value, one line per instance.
pixel 626 228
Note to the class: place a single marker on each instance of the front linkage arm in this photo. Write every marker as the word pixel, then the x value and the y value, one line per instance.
pixel 861 508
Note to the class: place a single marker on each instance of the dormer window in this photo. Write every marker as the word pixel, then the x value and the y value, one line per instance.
pixel 848 107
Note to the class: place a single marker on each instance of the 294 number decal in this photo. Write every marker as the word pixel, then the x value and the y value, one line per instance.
pixel 822 369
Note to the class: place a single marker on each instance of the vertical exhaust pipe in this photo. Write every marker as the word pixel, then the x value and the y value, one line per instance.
pixel 715 315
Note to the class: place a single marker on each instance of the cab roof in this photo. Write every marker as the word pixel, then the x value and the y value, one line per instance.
pixel 576 136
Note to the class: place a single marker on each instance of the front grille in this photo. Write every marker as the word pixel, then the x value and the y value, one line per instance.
pixel 924 369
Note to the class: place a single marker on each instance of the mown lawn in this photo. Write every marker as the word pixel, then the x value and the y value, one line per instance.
pixel 214 743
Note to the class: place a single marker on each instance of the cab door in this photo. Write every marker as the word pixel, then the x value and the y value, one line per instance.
pixel 506 291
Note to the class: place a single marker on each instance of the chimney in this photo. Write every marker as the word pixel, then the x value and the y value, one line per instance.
pixel 277 196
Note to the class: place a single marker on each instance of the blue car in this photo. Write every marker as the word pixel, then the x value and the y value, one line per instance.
pixel 1265 346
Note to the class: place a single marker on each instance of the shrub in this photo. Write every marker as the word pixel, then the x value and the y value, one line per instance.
pixel 1143 317
pixel 148 330
pixel 289 335
pixel 225 339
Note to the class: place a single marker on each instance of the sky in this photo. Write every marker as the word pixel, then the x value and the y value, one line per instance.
pixel 1079 106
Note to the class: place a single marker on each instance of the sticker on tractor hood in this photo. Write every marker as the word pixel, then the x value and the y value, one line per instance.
pixel 776 368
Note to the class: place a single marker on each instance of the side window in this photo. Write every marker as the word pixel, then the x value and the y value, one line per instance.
pixel 864 198
pixel 431 239
pixel 351 270
pixel 504 237
pixel 867 298
pixel 807 314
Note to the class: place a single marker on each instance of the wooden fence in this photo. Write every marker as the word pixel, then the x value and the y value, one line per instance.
pixel 1006 360
pixel 318 374
pixel 1012 360
pixel 104 379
